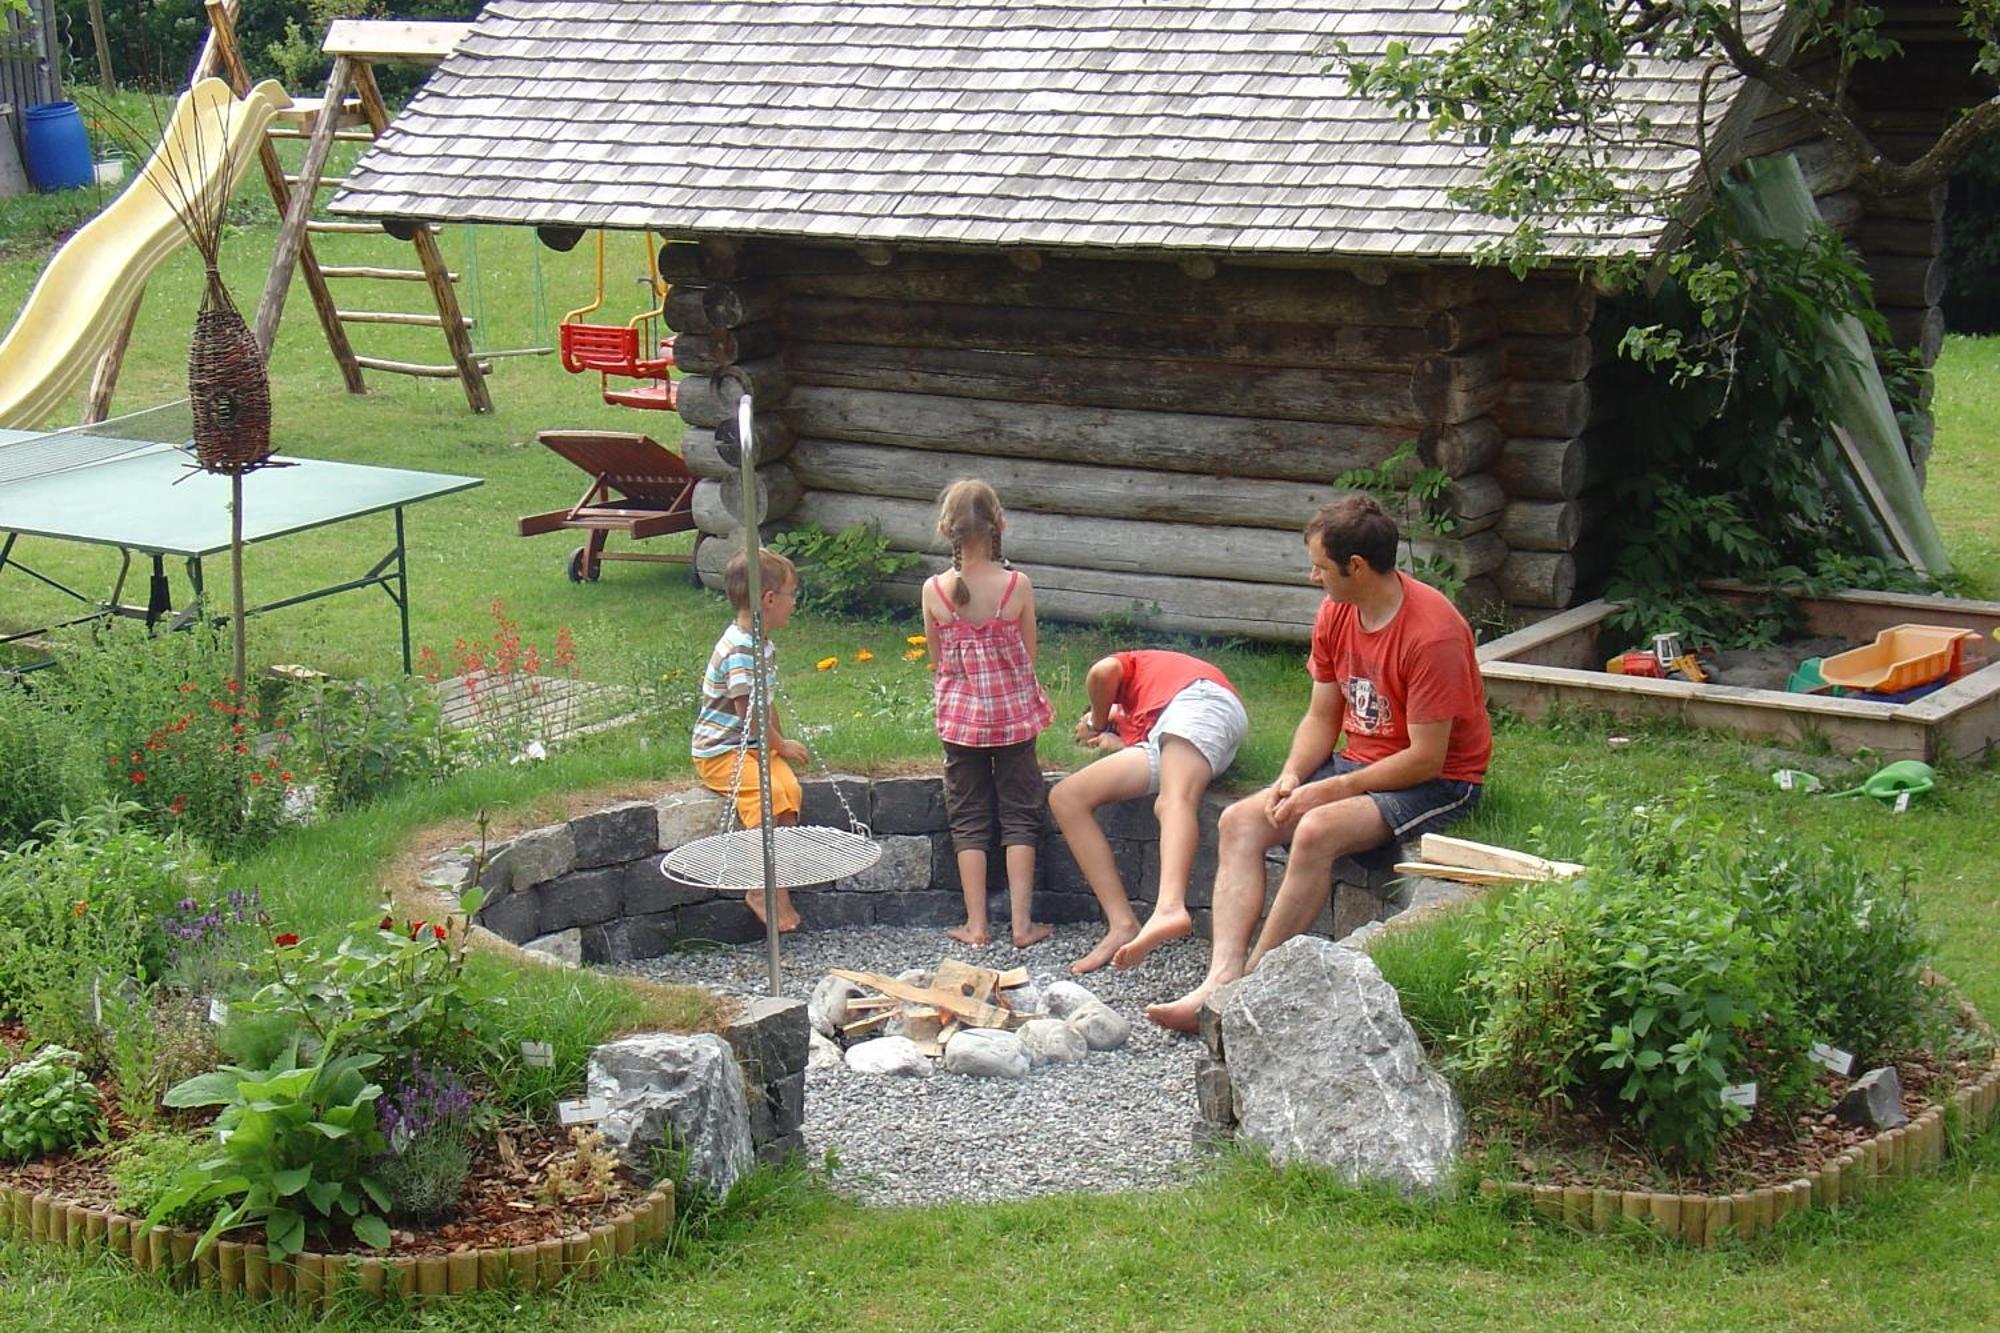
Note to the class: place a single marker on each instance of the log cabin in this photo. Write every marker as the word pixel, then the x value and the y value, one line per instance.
pixel 1154 270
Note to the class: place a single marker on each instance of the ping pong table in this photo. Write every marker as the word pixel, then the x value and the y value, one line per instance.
pixel 148 498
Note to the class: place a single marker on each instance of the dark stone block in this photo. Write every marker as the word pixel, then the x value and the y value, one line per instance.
pixel 582 898
pixel 909 805
pixel 1067 908
pixel 831 909
pixel 1214 1100
pixel 1131 819
pixel 781 1150
pixel 646 889
pixel 787 1096
pixel 934 908
pixel 769 1035
pixel 1058 871
pixel 1201 880
pixel 724 920
pixel 820 804
pixel 623 832
pixel 1204 923
pixel 628 939
pixel 514 917
pixel 495 875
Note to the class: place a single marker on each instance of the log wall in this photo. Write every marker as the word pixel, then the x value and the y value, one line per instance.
pixel 1159 438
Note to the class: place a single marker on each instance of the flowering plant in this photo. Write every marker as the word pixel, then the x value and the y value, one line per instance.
pixel 516 693
pixel 426 1119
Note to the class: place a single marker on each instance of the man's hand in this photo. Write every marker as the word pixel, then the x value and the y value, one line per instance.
pixel 1105 743
pixel 791 751
pixel 1085 734
pixel 1304 796
pixel 1277 795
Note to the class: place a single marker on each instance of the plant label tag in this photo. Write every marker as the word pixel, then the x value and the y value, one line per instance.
pixel 1902 802
pixel 218 1011
pixel 1740 1094
pixel 583 1111
pixel 1835 1059
pixel 537 1054
pixel 96 1002
pixel 1784 779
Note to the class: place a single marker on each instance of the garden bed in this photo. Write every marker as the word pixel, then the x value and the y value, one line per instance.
pixel 1559 663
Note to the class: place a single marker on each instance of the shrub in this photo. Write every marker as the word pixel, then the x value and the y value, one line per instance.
pixel 426 1118
pixel 365 738
pixel 47 1105
pixel 843 573
pixel 43 773
pixel 144 1167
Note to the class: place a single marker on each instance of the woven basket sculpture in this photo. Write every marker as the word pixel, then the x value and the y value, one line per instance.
pixel 228 386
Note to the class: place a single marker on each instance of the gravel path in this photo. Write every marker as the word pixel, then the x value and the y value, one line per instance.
pixel 1117 1120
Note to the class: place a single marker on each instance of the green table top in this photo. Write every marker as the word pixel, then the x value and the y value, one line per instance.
pixel 155 500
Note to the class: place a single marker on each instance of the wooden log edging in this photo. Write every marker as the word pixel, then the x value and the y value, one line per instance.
pixel 314 1281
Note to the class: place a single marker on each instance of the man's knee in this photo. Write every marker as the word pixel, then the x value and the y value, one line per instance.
pixel 1340 829
pixel 1246 818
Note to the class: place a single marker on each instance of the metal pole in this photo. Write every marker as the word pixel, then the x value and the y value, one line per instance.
pixel 760 693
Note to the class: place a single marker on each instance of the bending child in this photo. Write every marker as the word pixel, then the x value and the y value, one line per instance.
pixel 1168 724
pixel 724 751
pixel 979 622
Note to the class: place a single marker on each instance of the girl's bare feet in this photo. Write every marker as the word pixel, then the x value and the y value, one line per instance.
pixel 1115 938
pixel 788 915
pixel 1033 933
pixel 974 933
pixel 1159 929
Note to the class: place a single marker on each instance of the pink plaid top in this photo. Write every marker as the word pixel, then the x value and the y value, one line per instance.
pixel 987 694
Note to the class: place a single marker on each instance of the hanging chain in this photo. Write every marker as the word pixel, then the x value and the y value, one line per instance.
pixel 854 823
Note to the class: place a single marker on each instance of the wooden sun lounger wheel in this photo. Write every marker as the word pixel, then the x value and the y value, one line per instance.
pixel 638 487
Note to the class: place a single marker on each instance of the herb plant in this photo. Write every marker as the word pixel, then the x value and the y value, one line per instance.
pixel 842 573
pixel 47 1105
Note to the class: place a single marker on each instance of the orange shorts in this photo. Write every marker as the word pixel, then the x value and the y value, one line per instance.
pixel 716 770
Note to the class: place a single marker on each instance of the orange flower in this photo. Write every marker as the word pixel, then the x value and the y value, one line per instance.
pixel 913 654
pixel 915 640
pixel 826 664
pixel 864 656
pixel 285 941
pixel 81 907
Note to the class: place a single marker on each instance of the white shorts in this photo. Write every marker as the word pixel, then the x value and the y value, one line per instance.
pixel 1206 716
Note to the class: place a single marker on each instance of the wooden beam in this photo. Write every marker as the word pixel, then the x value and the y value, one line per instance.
pixel 412 43
pixel 298 210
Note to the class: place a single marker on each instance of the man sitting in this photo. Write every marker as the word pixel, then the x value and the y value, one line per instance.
pixel 1393 668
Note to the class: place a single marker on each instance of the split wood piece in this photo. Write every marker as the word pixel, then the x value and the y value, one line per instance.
pixel 868 1002
pixel 863 1026
pixel 975 983
pixel 1012 977
pixel 973 1013
pixel 1457 858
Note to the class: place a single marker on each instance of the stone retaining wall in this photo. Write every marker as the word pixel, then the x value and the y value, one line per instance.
pixel 591 889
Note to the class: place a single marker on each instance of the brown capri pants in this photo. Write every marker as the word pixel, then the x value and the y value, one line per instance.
pixel 982 781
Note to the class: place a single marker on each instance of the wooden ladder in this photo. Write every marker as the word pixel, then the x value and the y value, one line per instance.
pixel 352 110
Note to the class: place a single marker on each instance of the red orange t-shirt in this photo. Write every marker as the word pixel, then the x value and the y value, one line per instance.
pixel 1153 676
pixel 1420 667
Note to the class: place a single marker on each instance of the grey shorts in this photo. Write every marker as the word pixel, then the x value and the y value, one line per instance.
pixel 1206 716
pixel 1428 807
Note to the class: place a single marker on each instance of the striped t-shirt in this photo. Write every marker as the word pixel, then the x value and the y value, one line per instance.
pixel 731 667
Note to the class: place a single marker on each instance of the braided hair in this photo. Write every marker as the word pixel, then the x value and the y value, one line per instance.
pixel 968 508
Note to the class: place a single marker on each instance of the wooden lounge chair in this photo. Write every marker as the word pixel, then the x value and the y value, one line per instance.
pixel 637 486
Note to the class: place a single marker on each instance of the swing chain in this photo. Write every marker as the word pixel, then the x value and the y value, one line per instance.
pixel 854 823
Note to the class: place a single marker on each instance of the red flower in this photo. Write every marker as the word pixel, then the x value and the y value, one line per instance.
pixel 388 923
pixel 285 776
pixel 257 779
pixel 416 927
pixel 285 941
pixel 179 807
pixel 234 688
pixel 188 687
pixel 438 931
pixel 237 728
pixel 137 777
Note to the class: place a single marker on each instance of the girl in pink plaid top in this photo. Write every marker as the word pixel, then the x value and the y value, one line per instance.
pixel 979 621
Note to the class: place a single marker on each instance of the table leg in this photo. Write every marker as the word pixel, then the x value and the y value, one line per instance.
pixel 403 588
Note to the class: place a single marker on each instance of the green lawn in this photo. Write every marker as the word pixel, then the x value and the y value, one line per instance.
pixel 1243 1248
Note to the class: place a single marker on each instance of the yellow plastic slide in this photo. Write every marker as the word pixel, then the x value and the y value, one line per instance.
pixel 93 281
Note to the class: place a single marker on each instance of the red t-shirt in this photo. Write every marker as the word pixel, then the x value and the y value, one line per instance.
pixel 1153 676
pixel 1420 667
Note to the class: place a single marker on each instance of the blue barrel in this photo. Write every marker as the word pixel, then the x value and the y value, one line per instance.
pixel 57 148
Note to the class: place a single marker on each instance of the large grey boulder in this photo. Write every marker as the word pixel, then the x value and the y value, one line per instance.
pixel 679 1091
pixel 986 1053
pixel 1050 1041
pixel 1101 1027
pixel 1875 1100
pixel 1062 998
pixel 827 1007
pixel 562 946
pixel 896 1057
pixel 1325 1068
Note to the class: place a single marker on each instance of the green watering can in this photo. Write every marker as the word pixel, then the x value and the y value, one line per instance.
pixel 1894 780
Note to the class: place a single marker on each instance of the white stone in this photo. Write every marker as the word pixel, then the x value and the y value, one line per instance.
pixel 823 1052
pixel 687 815
pixel 986 1053
pixel 1063 998
pixel 905 866
pixel 916 976
pixel 827 1007
pixel 1324 1068
pixel 1051 1041
pixel 894 1056
pixel 1101 1027
pixel 689 1089
pixel 1026 999
pixel 564 946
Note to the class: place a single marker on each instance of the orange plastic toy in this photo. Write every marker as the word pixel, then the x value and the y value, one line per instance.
pixel 633 350
pixel 1901 658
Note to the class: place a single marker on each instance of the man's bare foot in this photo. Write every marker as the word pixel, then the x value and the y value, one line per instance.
pixel 974 933
pixel 1115 938
pixel 1160 928
pixel 1033 933
pixel 1181 1015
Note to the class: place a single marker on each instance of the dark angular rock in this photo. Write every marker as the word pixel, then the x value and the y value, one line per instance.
pixel 944 863
pixel 819 803
pixel 725 920
pixel 930 908
pixel 1059 872
pixel 646 889
pixel 768 1034
pixel 1875 1100
pixel 904 867
pixel 781 1150
pixel 623 832
pixel 787 1096
pixel 583 898
pixel 1065 908
pixel 630 938
pixel 1212 1097
pixel 496 876
pixel 540 855
pixel 1201 880
pixel 909 805
pixel 514 917
pixel 831 909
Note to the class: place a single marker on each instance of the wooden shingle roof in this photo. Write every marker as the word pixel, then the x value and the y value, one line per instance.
pixel 1159 125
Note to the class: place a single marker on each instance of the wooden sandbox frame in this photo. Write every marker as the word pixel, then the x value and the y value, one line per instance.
pixel 1557 663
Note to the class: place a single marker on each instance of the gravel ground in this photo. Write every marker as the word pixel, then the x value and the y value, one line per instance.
pixel 1116 1120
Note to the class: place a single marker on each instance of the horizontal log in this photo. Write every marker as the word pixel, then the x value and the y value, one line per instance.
pixel 704 353
pixel 1922 237
pixel 731 305
pixel 766 379
pixel 1407 400
pixel 1532 356
pixel 1544 408
pixel 1825 167
pixel 682 311
pixel 1464 327
pixel 1842 210
pixel 1190 336
pixel 1256 555
pixel 1166 441
pixel 1922 205
pixel 717 259
pixel 712 453
pixel 1544 469
pixel 1109 492
pixel 1541 525
pixel 1558 304
pixel 718 504
pixel 1136 287
pixel 1918 330
pixel 698 403
pixel 1907 280
pixel 1538 578
pixel 1463 449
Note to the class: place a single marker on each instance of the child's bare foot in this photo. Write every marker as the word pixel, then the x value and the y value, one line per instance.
pixel 788 915
pixel 974 933
pixel 1182 1015
pixel 1033 933
pixel 1115 938
pixel 1160 928
pixel 754 900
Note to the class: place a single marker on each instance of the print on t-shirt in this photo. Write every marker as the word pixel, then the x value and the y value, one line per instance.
pixel 1367 708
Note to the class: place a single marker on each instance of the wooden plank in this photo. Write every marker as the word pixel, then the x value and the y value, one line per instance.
pixel 1012 977
pixel 1541 643
pixel 1486 856
pixel 379 274
pixel 975 983
pixel 416 43
pixel 1457 874
pixel 972 1012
